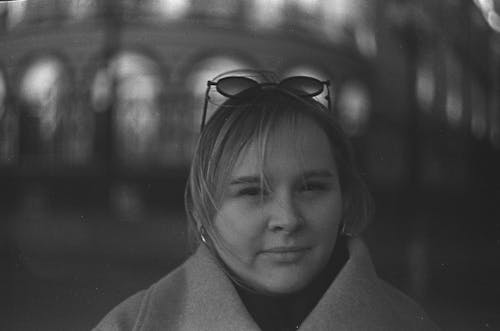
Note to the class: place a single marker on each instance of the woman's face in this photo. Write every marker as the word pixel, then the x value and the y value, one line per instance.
pixel 279 237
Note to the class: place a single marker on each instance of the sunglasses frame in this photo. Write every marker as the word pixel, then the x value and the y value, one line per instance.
pixel 266 84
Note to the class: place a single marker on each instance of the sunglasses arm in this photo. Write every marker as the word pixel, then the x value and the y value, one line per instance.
pixel 328 95
pixel 209 84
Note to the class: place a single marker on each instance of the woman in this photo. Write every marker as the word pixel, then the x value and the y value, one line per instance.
pixel 276 208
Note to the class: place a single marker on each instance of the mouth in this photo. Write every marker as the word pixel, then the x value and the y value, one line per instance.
pixel 285 249
pixel 285 254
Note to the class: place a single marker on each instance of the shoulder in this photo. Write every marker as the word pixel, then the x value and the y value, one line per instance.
pixel 124 316
pixel 135 311
pixel 405 309
pixel 388 305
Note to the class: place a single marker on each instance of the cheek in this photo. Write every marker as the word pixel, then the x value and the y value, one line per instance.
pixel 330 222
pixel 327 215
pixel 239 227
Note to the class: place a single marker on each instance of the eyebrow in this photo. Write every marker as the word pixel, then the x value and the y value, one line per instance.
pixel 252 179
pixel 245 180
pixel 318 173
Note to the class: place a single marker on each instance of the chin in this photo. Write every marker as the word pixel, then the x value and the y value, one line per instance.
pixel 286 279
pixel 287 284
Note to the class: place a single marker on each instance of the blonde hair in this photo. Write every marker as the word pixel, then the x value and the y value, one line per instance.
pixel 250 118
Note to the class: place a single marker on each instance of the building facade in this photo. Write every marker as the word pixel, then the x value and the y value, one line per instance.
pixel 100 108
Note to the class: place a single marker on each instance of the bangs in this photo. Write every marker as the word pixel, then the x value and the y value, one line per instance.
pixel 253 124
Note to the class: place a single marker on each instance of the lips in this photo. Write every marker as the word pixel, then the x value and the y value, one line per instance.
pixel 285 254
pixel 285 249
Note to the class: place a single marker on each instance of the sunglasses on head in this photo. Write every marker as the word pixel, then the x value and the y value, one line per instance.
pixel 233 86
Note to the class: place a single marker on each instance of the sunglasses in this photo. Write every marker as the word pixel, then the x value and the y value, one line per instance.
pixel 233 86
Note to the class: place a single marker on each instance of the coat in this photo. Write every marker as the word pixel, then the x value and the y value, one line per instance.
pixel 199 296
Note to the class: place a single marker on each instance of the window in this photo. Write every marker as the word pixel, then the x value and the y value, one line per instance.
pixel 307 6
pixel 131 86
pixel 169 9
pixel 266 13
pixel 339 17
pixel 426 84
pixel 37 11
pixel 14 12
pixel 302 15
pixel 80 9
pixel 205 71
pixel 8 127
pixel 3 95
pixel 453 101
pixel 353 107
pixel 44 93
pixel 215 9
pixel 54 127
pixel 479 124
pixel 196 85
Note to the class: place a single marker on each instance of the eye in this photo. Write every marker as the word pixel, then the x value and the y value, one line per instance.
pixel 251 191
pixel 313 186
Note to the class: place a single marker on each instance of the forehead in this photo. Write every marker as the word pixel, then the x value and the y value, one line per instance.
pixel 289 147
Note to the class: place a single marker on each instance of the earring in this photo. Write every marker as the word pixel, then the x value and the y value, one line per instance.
pixel 343 231
pixel 203 234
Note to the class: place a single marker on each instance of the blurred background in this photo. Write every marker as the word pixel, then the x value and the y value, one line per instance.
pixel 100 104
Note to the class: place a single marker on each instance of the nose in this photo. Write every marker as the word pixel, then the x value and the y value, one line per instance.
pixel 284 214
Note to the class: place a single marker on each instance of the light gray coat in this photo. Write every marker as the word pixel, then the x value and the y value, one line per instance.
pixel 199 296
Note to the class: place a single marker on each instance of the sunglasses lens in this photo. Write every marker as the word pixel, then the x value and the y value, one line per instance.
pixel 304 86
pixel 232 86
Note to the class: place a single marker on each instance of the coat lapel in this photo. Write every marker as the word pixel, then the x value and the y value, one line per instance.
pixel 212 299
pixel 352 301
pixel 359 300
pixel 198 296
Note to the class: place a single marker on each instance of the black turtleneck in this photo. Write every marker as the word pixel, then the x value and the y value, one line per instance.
pixel 286 312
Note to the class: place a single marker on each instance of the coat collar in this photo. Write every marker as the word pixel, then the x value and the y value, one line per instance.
pixel 199 296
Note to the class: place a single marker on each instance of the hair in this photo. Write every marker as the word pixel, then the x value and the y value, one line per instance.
pixel 248 119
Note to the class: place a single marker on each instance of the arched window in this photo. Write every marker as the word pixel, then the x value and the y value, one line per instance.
pixel 131 86
pixel 169 9
pixel 350 21
pixel 454 100
pixel 426 83
pixel 3 95
pixel 80 9
pixel 303 17
pixel 215 9
pixel 266 13
pixel 338 18
pixel 13 12
pixel 354 104
pixel 42 10
pixel 309 7
pixel 205 71
pixel 8 127
pixel 196 84
pixel 478 106
pixel 46 109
